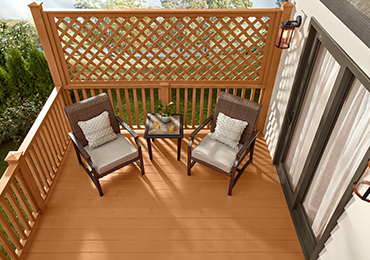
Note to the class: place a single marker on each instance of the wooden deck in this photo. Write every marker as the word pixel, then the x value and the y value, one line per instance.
pixel 166 214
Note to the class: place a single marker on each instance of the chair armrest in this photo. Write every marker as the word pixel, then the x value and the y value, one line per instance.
pixel 79 146
pixel 129 129
pixel 196 131
pixel 251 139
pixel 201 126
pixel 81 150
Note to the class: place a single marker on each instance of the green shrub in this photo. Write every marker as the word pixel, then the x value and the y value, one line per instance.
pixel 19 76
pixel 16 121
pixel 2 59
pixel 17 36
pixel 39 70
pixel 4 87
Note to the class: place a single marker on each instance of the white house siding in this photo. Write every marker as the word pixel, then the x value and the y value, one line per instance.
pixel 349 239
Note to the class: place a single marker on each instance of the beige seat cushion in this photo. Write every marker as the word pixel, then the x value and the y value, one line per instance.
pixel 215 153
pixel 112 154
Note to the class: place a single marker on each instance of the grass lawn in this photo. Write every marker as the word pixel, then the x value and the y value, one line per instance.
pixel 5 147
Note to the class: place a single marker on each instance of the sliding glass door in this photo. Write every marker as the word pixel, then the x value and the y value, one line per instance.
pixel 348 143
pixel 324 143
pixel 321 84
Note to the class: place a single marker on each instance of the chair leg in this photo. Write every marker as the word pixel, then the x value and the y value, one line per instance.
pixel 142 163
pixel 189 161
pixel 97 184
pixel 231 184
pixel 251 151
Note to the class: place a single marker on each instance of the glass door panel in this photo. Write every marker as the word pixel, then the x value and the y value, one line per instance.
pixel 346 148
pixel 321 84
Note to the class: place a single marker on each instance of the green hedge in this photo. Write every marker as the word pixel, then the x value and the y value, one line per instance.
pixel 16 120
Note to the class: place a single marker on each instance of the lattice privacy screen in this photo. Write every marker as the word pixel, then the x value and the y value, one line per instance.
pixel 163 48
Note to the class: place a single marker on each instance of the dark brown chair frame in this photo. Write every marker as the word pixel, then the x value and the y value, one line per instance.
pixel 85 110
pixel 241 109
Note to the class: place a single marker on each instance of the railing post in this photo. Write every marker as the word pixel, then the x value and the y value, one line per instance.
pixel 164 93
pixel 273 64
pixel 45 38
pixel 18 158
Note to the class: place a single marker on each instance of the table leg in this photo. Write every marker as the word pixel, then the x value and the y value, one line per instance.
pixel 149 148
pixel 179 148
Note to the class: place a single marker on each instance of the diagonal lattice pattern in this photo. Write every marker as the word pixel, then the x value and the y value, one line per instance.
pixel 163 48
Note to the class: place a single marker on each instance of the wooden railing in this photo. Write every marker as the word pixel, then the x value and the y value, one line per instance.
pixel 196 104
pixel 26 183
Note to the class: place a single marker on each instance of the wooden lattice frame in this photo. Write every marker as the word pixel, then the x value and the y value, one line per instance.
pixel 154 48
pixel 144 46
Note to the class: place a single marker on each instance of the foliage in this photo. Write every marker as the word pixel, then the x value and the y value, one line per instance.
pixel 206 4
pixel 4 150
pixel 24 71
pixel 16 120
pixel 19 76
pixel 2 58
pixel 278 3
pixel 4 86
pixel 164 108
pixel 109 4
pixel 242 4
pixel 21 35
pixel 40 73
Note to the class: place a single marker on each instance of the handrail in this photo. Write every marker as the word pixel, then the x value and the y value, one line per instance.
pixel 27 181
pixel 158 12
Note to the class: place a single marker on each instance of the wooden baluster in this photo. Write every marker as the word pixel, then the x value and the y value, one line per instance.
pixel 186 108
pixel 253 92
pixel 136 107
pixel 243 93
pixel 34 173
pixel 178 100
pixel 119 101
pixel 143 96
pixel 47 141
pixel 18 211
pixel 128 107
pixel 201 105
pixel 152 101
pixel 193 107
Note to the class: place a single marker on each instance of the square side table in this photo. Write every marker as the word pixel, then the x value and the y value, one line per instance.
pixel 163 130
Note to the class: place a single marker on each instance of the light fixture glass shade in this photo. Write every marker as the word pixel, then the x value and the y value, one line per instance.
pixel 286 31
pixel 284 37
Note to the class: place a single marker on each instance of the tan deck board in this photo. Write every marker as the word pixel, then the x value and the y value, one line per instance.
pixel 166 214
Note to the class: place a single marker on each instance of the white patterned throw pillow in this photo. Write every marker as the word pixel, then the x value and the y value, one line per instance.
pixel 228 130
pixel 98 130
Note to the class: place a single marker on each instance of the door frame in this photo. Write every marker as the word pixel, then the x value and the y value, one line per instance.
pixel 349 71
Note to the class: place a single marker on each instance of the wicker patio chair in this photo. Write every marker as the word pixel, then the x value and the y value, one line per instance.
pixel 216 154
pixel 110 156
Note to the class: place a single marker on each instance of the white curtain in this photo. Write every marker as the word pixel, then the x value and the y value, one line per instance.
pixel 346 148
pixel 321 84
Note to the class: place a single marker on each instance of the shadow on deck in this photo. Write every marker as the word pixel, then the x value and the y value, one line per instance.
pixel 166 214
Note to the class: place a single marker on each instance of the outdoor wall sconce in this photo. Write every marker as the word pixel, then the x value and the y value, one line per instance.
pixel 286 31
pixel 362 187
